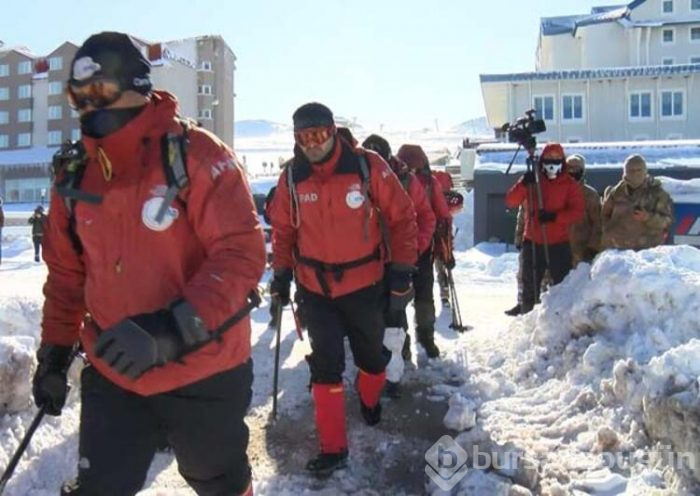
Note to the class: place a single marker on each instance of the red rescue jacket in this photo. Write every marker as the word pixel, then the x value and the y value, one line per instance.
pixel 209 249
pixel 435 195
pixel 424 213
pixel 561 195
pixel 332 223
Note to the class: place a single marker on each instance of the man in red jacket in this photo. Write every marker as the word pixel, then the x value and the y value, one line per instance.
pixel 327 216
pixel 395 337
pixel 546 227
pixel 161 291
pixel 423 281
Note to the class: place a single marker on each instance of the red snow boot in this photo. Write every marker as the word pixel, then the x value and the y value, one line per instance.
pixel 369 387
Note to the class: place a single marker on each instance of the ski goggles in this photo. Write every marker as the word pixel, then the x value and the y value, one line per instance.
pixel 98 94
pixel 313 136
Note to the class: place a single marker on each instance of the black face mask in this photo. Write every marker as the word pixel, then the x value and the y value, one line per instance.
pixel 103 122
pixel 577 175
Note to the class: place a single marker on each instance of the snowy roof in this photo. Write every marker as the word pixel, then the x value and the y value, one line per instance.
pixel 602 73
pixel 550 26
pixel 34 155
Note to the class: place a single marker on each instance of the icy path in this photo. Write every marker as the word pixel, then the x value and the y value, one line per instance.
pixel 388 459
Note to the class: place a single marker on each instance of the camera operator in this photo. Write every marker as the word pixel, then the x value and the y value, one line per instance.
pixel 552 202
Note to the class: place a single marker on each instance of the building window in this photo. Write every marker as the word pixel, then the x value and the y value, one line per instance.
pixel 674 136
pixel 544 107
pixel 24 91
pixel 24 139
pixel 572 107
pixel 672 104
pixel 640 105
pixel 55 112
pixel 694 4
pixel 695 34
pixel 667 7
pixel 74 113
pixel 205 89
pixel 55 137
pixel 205 114
pixel 4 93
pixel 668 36
pixel 4 117
pixel 4 141
pixel 75 134
pixel 27 189
pixel 55 88
pixel 205 65
pixel 55 63
pixel 695 60
pixel 24 67
pixel 4 70
pixel 24 115
pixel 667 61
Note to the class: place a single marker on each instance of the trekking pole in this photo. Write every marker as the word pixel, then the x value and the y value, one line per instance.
pixel 275 377
pixel 14 461
pixel 21 448
pixel 457 323
pixel 297 322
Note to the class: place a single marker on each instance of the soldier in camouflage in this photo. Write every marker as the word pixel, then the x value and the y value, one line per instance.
pixel 637 212
pixel 584 236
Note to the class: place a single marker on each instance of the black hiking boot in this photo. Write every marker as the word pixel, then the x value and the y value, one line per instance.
pixel 430 348
pixel 327 463
pixel 514 312
pixel 392 390
pixel 406 350
pixel 372 416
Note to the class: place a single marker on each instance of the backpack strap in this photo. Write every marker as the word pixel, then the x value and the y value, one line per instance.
pixel 173 153
pixel 68 168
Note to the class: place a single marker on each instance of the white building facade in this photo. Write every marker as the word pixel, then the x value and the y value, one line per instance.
pixel 620 73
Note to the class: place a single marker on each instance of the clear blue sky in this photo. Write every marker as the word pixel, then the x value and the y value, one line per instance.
pixel 403 63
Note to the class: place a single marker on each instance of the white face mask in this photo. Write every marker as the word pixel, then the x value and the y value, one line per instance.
pixel 551 170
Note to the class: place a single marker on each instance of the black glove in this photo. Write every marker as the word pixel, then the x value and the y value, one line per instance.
pixel 50 386
pixel 529 178
pixel 518 246
pixel 280 286
pixel 544 216
pixel 450 262
pixel 400 289
pixel 148 340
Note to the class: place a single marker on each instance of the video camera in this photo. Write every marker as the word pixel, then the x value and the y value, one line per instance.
pixel 522 131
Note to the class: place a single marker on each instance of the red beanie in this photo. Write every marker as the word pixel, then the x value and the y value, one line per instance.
pixel 553 151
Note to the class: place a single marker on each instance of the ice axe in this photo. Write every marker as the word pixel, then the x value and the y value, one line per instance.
pixel 297 321
pixel 14 461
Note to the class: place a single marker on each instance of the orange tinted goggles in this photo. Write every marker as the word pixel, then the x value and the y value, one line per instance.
pixel 313 136
pixel 98 94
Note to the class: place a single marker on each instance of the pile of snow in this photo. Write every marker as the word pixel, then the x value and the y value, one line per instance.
pixel 567 385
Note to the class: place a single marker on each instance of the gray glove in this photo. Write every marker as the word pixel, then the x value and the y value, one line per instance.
pixel 141 342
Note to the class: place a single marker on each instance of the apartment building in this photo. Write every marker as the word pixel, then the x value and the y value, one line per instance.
pixel 35 117
pixel 620 73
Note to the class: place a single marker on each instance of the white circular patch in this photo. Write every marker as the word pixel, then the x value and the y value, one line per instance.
pixel 354 199
pixel 150 210
pixel 84 68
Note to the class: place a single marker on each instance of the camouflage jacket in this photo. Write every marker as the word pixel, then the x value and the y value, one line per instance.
pixel 584 236
pixel 620 228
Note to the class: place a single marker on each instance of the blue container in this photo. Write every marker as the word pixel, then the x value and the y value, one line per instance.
pixel 686 229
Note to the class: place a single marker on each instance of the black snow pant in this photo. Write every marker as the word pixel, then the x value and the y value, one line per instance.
pixel 358 316
pixel 204 423
pixel 559 267
pixel 37 246
pixel 423 282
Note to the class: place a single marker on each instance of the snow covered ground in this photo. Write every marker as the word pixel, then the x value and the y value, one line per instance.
pixel 569 387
